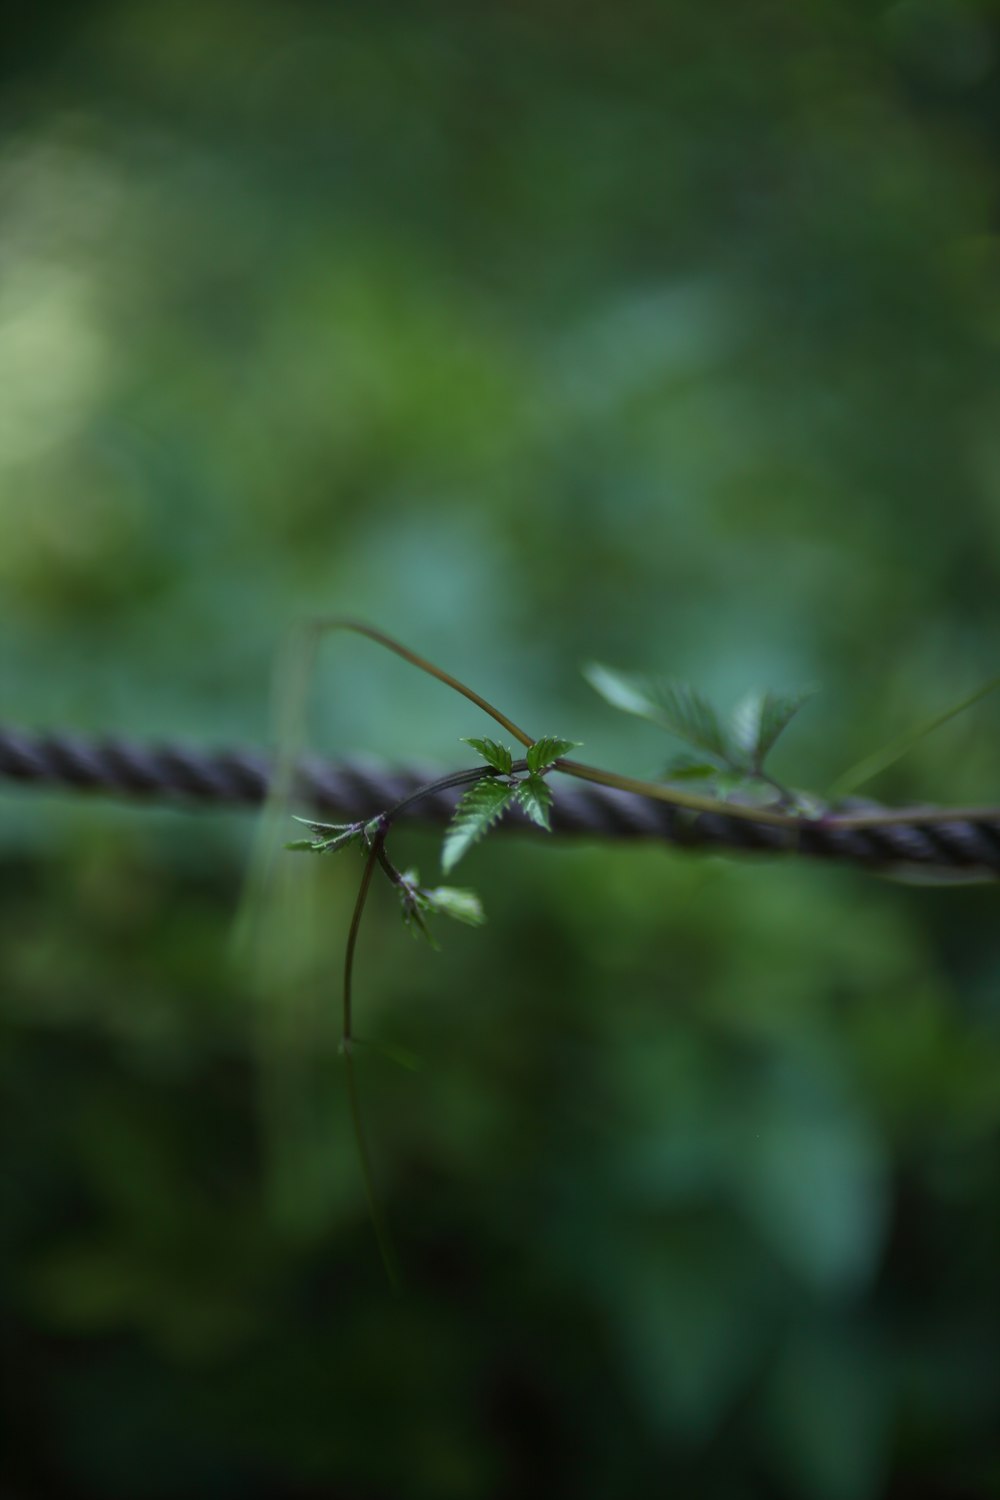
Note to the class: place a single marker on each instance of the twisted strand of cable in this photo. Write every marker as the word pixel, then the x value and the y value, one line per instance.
pixel 919 838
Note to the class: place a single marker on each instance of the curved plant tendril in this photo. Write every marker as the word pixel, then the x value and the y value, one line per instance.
pixel 880 760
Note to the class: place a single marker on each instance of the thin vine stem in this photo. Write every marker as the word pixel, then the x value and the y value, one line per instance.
pixel 375 845
pixel 657 790
pixel 380 827
pixel 661 792
pixel 445 783
pixel 379 1224
pixel 390 644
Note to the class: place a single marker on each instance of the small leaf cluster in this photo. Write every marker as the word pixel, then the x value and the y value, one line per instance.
pixel 485 802
pixel 499 782
pixel 418 902
pixel 731 752
pixel 327 838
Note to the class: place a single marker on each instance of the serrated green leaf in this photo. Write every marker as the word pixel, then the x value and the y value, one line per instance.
pixel 686 713
pixel 326 846
pixel 760 718
pixel 478 809
pixel 461 905
pixel 497 756
pixel 675 706
pixel 535 797
pixel 549 748
pixel 321 828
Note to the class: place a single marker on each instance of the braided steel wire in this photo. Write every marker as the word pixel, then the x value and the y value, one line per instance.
pixel 923 838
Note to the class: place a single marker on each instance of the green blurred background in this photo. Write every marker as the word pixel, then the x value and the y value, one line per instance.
pixel 665 334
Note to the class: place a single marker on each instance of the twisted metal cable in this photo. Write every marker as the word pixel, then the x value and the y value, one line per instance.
pixel 923 838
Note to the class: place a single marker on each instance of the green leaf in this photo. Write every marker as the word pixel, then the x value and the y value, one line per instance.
pixel 682 709
pixel 343 834
pixel 413 904
pixel 477 811
pixel 320 828
pixel 675 706
pixel 760 718
pixel 689 768
pixel 549 748
pixel 443 900
pixel 630 694
pixel 414 920
pixel 497 756
pixel 535 797
pixel 460 905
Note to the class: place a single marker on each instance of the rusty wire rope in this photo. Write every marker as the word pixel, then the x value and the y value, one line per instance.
pixel 925 838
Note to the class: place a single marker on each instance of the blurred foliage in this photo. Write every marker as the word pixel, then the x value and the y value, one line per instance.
pixel 659 334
